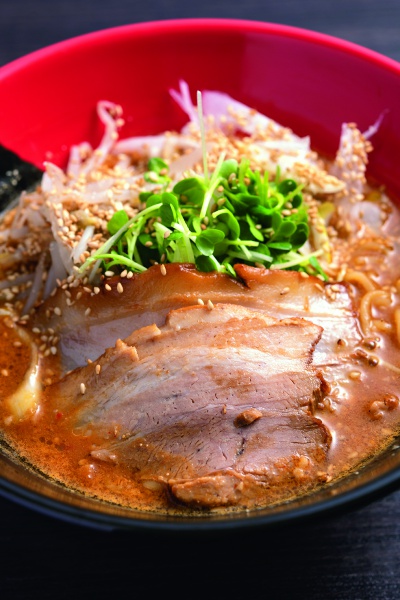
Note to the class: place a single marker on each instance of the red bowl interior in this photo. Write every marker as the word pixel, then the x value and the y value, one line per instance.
pixel 308 81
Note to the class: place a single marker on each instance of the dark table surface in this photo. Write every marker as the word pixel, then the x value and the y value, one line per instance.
pixel 352 556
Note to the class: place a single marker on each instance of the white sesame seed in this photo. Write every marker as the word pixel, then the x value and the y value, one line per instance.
pixel 57 311
pixel 163 270
pixel 109 273
pixel 98 369
pixel 210 305
pixel 120 289
pixel 83 388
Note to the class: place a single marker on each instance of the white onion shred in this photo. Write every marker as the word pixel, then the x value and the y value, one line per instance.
pixel 82 244
pixel 36 285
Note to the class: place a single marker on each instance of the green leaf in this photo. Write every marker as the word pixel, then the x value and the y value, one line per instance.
pixel 287 228
pixel 207 240
pixel 168 214
pixel 170 199
pixel 157 165
pixel 297 200
pixel 230 220
pixel 183 186
pixel 153 199
pixel 281 246
pixel 276 221
pixel 253 229
pixel 300 236
pixel 207 263
pixel 157 171
pixel 118 220
pixel 286 186
pixel 228 167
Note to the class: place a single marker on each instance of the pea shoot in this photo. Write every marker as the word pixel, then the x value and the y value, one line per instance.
pixel 235 215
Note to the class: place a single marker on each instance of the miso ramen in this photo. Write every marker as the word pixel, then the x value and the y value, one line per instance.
pixel 201 320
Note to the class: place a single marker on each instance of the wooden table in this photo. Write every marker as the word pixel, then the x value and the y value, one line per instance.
pixel 351 556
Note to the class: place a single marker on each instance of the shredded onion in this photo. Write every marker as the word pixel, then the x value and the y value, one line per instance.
pixel 36 286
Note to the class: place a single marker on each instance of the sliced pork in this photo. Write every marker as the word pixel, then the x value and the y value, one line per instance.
pixel 216 404
pixel 87 323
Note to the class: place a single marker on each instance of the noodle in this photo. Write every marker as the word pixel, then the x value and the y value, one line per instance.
pixel 397 323
pixel 359 278
pixel 378 298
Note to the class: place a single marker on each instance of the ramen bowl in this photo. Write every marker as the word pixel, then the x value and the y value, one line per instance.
pixel 307 81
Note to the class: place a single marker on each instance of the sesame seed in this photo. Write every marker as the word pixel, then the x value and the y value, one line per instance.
pixel 83 388
pixel 98 369
pixel 120 289
pixel 108 287
pixel 53 350
pixel 354 374
pixel 87 312
pixel 109 273
pixel 200 301
pixel 124 273
pixel 163 270
pixel 96 290
pixel 210 305
pixel 57 311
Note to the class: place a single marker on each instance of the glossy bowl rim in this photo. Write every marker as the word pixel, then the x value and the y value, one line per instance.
pixel 363 494
pixel 196 24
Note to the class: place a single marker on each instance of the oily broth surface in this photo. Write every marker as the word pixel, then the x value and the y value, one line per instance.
pixel 361 410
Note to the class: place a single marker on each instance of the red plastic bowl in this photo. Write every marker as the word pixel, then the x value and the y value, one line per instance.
pixel 305 80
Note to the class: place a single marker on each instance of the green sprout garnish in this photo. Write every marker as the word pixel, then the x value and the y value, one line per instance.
pixel 235 215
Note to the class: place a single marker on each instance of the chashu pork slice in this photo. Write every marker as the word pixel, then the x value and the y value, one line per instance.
pixel 88 323
pixel 216 404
